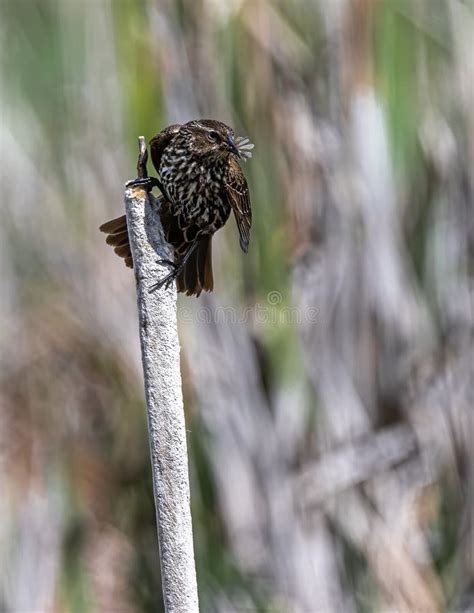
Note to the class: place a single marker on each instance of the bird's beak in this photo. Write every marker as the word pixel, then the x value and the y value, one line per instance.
pixel 232 146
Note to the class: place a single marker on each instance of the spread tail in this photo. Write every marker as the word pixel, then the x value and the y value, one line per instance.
pixel 197 273
pixel 117 236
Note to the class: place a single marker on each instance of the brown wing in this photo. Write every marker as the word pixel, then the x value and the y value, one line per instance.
pixel 159 142
pixel 238 196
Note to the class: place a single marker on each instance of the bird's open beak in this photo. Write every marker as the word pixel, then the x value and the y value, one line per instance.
pixel 232 146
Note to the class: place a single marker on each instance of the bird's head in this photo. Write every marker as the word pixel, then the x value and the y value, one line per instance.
pixel 217 140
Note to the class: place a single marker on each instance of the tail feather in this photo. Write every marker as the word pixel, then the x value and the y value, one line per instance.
pixel 123 251
pixel 117 240
pixel 205 267
pixel 197 273
pixel 117 236
pixel 114 226
pixel 190 275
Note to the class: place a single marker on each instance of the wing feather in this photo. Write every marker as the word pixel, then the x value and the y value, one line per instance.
pixel 159 143
pixel 239 199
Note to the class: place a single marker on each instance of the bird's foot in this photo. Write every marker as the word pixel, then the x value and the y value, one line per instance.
pixel 147 182
pixel 165 282
pixel 165 262
pixel 176 268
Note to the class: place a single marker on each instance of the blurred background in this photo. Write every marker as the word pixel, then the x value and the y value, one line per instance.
pixel 328 380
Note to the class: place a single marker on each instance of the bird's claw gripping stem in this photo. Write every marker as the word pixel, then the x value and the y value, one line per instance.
pixel 166 281
pixel 147 182
pixel 165 262
pixel 177 267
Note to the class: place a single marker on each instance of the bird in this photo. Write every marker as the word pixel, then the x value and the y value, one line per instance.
pixel 201 183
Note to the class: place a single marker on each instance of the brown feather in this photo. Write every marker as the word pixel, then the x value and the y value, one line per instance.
pixel 117 232
pixel 208 277
pixel 117 240
pixel 197 273
pixel 159 143
pixel 114 226
pixel 238 197
pixel 205 264
pixel 123 251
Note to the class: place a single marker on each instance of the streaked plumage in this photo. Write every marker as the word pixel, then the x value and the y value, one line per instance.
pixel 202 183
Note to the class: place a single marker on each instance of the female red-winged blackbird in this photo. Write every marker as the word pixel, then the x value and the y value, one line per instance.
pixel 201 182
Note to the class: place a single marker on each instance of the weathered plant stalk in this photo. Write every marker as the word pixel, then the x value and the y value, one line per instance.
pixel 166 426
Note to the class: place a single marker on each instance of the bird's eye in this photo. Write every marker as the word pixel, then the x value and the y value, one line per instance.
pixel 212 136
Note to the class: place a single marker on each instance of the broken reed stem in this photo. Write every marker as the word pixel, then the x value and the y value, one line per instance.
pixel 164 400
